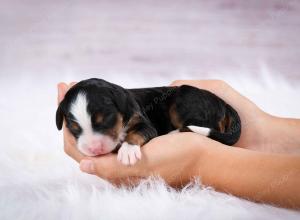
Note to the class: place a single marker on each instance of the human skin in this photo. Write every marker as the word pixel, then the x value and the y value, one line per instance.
pixel 264 165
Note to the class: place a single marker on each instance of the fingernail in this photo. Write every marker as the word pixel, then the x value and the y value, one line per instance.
pixel 87 166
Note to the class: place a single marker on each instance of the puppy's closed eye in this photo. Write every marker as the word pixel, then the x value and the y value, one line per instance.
pixel 74 127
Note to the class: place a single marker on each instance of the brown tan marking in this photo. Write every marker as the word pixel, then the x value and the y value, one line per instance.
pixel 135 118
pixel 74 125
pixel 222 124
pixel 98 118
pixel 135 139
pixel 228 122
pixel 116 130
pixel 175 120
pixel 225 124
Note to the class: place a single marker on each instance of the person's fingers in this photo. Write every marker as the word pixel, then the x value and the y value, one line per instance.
pixel 87 166
pixel 62 88
pixel 69 140
pixel 108 167
pixel 70 145
pixel 188 82
pixel 72 84
pixel 221 89
pixel 218 87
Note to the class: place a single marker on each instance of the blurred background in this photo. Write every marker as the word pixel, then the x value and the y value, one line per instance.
pixel 149 39
pixel 253 45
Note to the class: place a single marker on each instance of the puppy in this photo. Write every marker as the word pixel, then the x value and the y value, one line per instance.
pixel 104 117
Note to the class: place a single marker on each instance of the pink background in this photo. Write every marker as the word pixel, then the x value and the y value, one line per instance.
pixel 146 40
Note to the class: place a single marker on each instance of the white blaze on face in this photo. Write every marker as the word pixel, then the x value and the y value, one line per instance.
pixel 89 142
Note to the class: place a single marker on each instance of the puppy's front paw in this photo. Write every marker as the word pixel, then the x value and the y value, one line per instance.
pixel 129 154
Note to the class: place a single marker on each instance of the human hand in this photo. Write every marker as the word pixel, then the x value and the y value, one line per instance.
pixel 177 147
pixel 177 158
pixel 260 130
pixel 181 153
pixel 254 121
pixel 69 140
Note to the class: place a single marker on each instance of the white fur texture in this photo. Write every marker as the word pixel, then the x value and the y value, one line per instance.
pixel 199 130
pixel 88 138
pixel 79 110
pixel 129 154
pixel 39 181
pixel 134 44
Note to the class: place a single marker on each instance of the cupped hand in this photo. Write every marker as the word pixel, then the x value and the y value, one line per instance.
pixel 69 140
pixel 254 121
pixel 174 157
pixel 177 158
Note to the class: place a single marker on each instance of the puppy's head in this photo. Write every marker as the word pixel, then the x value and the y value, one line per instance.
pixel 96 113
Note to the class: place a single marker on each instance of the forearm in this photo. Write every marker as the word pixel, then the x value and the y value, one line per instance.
pixel 270 178
pixel 284 134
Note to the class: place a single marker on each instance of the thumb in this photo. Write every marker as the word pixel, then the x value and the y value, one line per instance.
pixel 62 89
pixel 87 166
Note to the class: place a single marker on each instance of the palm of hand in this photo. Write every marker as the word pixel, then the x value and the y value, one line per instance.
pixel 177 147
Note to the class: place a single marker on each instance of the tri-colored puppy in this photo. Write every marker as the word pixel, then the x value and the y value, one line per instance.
pixel 104 117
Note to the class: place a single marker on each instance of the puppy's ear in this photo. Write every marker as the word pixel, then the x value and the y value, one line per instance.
pixel 59 116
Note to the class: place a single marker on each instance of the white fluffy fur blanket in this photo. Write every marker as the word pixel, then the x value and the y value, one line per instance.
pixel 38 181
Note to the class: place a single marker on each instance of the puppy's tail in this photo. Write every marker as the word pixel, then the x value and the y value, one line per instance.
pixel 231 128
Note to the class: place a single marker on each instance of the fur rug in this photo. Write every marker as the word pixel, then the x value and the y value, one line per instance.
pixel 38 181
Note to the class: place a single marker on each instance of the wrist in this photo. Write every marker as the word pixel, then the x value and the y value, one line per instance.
pixel 192 156
pixel 282 134
pixel 255 130
pixel 201 155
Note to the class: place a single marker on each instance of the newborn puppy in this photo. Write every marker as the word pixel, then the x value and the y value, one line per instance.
pixel 104 117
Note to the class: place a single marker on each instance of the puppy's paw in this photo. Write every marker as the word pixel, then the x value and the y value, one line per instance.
pixel 129 154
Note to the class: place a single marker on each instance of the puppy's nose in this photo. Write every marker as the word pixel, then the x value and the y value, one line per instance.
pixel 96 148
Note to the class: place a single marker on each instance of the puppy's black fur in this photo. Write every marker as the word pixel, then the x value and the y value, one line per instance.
pixel 149 112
